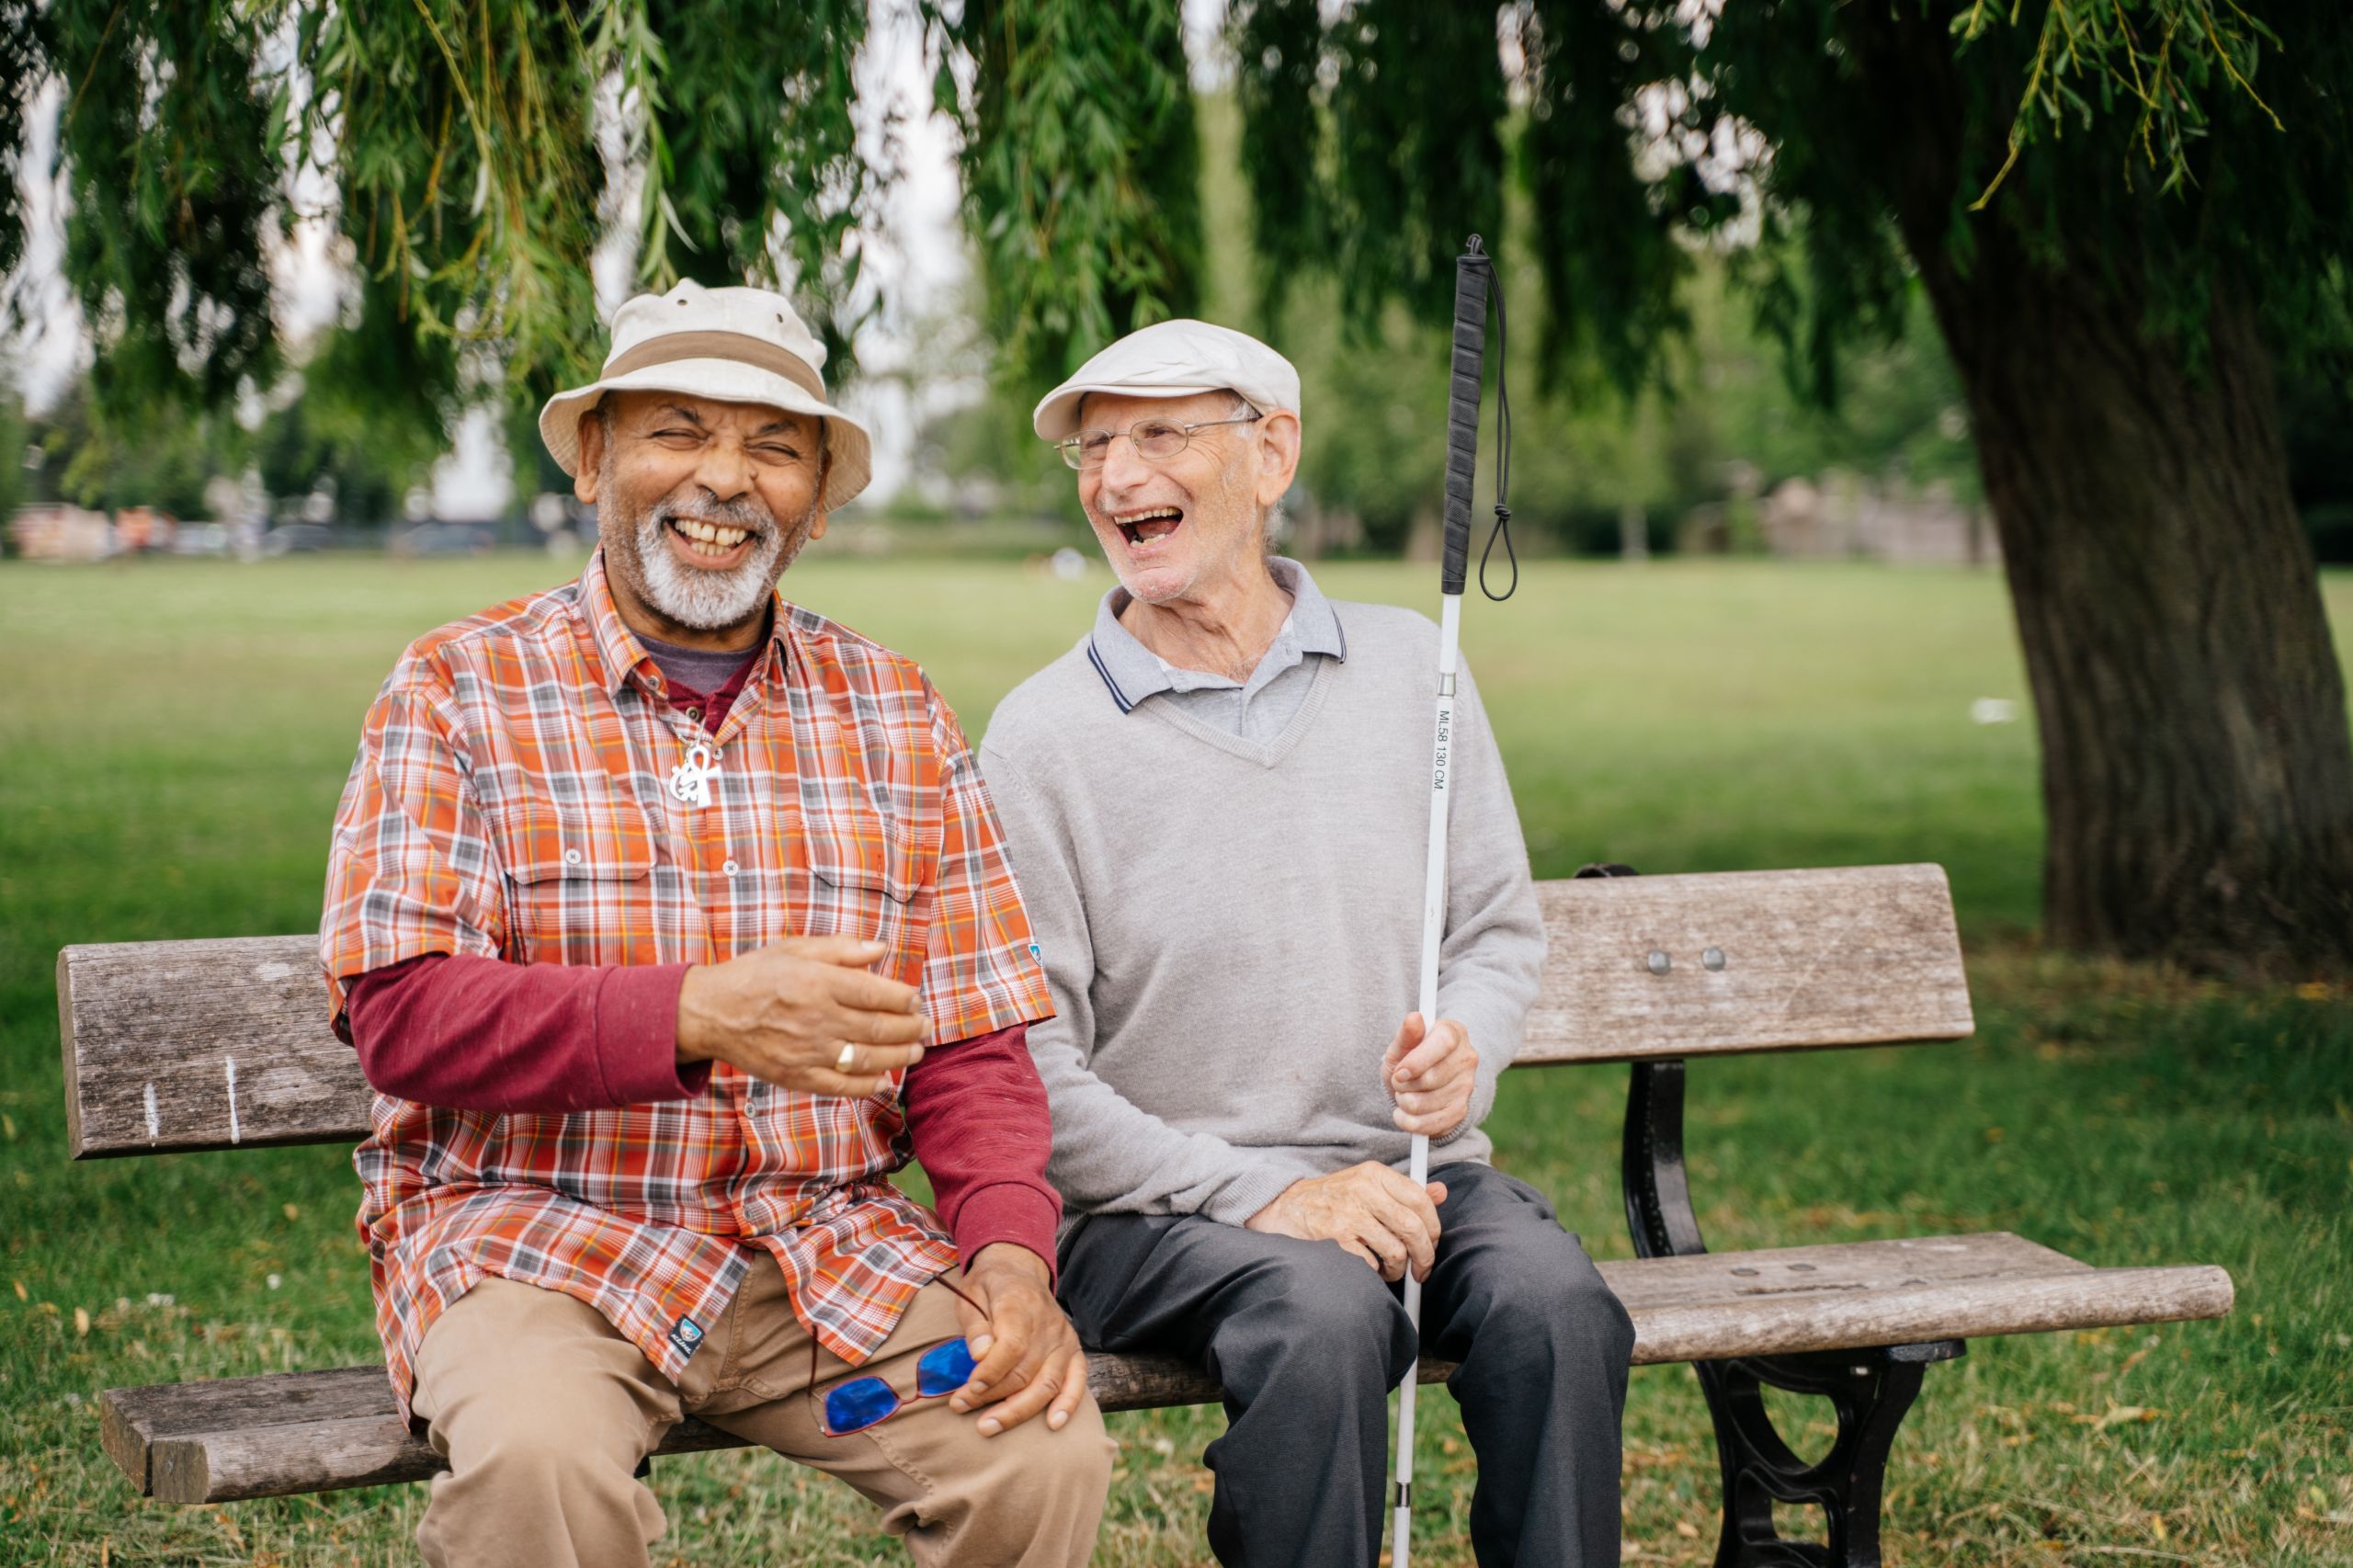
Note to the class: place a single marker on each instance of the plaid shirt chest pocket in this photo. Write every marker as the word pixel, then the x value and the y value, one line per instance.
pixel 578 853
pixel 869 875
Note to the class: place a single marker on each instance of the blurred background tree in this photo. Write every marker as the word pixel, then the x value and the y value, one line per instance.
pixel 2126 220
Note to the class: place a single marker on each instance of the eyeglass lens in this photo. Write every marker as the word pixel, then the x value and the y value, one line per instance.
pixel 1153 439
pixel 861 1402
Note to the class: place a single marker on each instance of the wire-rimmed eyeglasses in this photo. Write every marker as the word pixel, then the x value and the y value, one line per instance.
pixel 859 1402
pixel 1156 440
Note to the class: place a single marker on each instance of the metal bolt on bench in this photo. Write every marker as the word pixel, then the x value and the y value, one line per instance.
pixel 180 1046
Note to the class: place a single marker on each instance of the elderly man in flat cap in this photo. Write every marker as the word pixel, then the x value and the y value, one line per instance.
pixel 667 918
pixel 1217 804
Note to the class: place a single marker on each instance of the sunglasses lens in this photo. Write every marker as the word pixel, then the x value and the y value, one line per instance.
pixel 858 1404
pixel 944 1368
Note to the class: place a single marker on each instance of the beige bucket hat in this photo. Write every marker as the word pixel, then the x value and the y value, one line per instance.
pixel 736 345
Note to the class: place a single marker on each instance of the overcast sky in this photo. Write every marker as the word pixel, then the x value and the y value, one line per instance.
pixel 917 260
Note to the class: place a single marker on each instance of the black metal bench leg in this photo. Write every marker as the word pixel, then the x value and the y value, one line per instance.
pixel 1870 1391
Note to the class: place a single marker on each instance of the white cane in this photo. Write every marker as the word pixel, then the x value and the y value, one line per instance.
pixel 1473 279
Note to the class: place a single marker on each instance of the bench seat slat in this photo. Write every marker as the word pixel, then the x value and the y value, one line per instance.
pixel 226 1440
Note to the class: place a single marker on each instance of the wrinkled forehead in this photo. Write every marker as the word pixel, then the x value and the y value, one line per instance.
pixel 638 406
pixel 1117 410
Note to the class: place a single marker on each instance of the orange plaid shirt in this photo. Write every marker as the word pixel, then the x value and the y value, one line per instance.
pixel 510 800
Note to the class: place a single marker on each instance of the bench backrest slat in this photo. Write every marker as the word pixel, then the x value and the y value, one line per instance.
pixel 1858 955
pixel 172 1046
pixel 178 1046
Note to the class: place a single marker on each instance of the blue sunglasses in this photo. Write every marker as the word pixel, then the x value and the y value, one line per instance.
pixel 864 1401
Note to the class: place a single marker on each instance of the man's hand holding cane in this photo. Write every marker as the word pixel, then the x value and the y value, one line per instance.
pixel 1370 1210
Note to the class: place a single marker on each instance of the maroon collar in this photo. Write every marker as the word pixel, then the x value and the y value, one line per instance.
pixel 714 704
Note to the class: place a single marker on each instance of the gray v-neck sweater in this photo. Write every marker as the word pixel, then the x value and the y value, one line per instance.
pixel 1232 929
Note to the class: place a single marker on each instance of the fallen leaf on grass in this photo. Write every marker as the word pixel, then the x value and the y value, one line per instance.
pixel 2119 1415
pixel 1687 1529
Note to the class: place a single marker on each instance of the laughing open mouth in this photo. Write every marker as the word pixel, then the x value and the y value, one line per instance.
pixel 711 541
pixel 1150 524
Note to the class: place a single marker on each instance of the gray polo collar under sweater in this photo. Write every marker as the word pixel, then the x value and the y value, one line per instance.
pixel 1131 672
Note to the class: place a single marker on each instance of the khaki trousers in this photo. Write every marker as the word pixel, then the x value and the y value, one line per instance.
pixel 544 1410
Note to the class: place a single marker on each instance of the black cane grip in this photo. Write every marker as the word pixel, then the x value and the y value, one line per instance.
pixel 1472 270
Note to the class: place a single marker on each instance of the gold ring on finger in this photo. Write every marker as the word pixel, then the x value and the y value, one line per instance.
pixel 848 1055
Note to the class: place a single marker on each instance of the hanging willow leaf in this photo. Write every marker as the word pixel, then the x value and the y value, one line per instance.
pixel 171 154
pixel 24 57
pixel 460 139
pixel 468 178
pixel 1081 172
pixel 757 149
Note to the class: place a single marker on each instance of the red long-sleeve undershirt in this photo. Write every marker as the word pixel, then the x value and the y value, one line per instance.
pixel 551 1039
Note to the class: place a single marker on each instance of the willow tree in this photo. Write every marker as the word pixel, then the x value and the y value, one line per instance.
pixel 2125 214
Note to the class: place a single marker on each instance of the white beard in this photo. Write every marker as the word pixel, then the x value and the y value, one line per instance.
pixel 704 599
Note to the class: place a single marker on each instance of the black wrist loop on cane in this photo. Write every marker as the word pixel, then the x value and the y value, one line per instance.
pixel 1502 530
pixel 1503 454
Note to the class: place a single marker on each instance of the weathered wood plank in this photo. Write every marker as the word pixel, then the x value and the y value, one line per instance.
pixel 327 1456
pixel 317 1431
pixel 1790 1324
pixel 176 1046
pixel 295 1432
pixel 1154 1382
pixel 1861 955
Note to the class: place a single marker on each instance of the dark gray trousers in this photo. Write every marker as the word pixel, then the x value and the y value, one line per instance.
pixel 1309 1341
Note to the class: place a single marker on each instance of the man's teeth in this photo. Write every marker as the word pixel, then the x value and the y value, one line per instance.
pixel 1147 526
pixel 709 539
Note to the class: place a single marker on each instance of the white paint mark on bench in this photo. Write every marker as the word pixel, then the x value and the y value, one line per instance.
pixel 155 1122
pixel 272 971
pixel 235 1136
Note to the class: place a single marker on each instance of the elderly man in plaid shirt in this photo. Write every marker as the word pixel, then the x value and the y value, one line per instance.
pixel 668 919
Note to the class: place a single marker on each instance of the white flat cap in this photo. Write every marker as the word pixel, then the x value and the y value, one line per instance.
pixel 1174 359
pixel 736 345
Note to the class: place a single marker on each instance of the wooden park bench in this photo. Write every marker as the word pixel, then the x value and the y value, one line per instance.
pixel 178 1046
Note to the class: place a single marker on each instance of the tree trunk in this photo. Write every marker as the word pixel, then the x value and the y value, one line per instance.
pixel 2197 771
pixel 2197 767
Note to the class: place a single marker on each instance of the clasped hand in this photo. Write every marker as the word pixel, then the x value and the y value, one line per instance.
pixel 783 1013
pixel 1028 1355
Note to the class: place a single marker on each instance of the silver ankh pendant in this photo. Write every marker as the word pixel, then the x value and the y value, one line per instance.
pixel 690 780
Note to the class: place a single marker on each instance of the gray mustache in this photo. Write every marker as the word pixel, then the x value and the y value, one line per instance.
pixel 749 515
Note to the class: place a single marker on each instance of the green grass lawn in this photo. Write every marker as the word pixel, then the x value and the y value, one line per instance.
pixel 173 736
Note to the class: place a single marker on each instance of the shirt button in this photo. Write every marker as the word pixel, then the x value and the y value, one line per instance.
pixel 571 856
pixel 695 713
pixel 730 868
